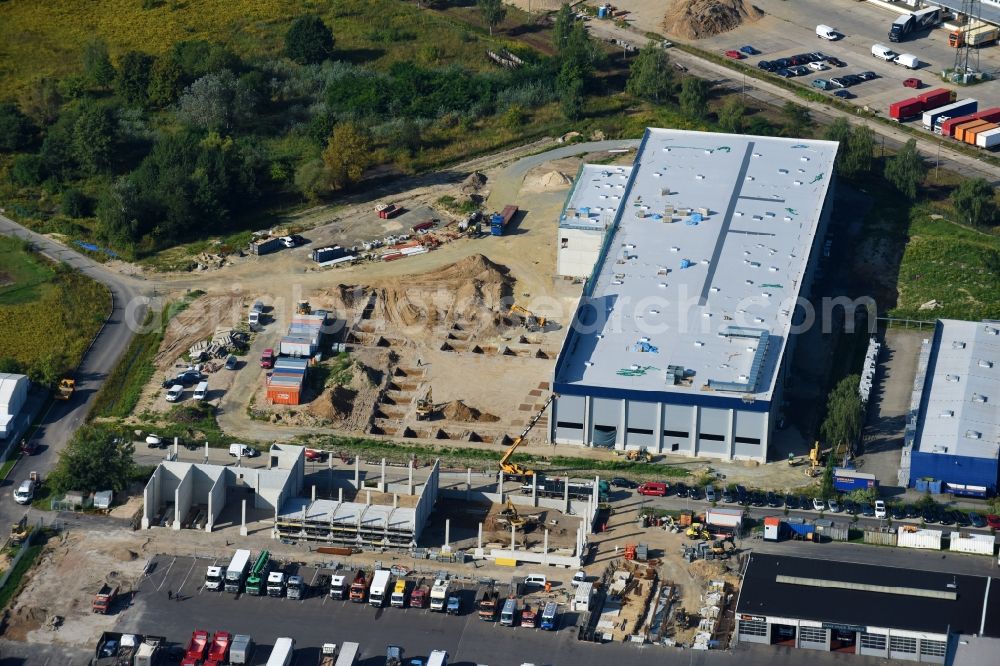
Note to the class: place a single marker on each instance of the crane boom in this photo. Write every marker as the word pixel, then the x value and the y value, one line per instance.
pixel 514 470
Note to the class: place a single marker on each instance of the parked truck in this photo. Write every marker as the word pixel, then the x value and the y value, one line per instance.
pixel 379 590
pixel 418 598
pixel 359 588
pixel 910 24
pixel 116 649
pixel 215 578
pixel 508 614
pixel 151 652
pixel 276 584
pixel 549 616
pixel 348 655
pixel 296 588
pixel 393 655
pixel 281 654
pixel 218 650
pixel 236 572
pixel 258 574
pixel 847 480
pixel 328 655
pixel 556 488
pixel 399 593
pixel 499 221
pixel 339 588
pixel 439 594
pixel 959 108
pixel 976 37
pixel 104 598
pixel 241 651
pixel 194 654
pixel 488 604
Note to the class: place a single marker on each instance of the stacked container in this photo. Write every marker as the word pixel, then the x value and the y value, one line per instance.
pixel 284 384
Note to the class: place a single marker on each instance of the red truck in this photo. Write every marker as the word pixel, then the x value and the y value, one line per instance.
pixel 267 359
pixel 218 652
pixel 196 648
pixel 419 597
pixel 104 599
pixel 359 588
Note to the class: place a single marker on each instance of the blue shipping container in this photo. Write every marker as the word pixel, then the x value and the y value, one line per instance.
pixel 846 480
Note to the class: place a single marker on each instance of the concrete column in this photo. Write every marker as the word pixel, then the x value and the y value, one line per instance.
pixel 382 484
pixel 587 405
pixel 357 472
pixel 206 451
pixel 731 433
pixel 500 486
pixel 622 426
pixel 410 481
pixel 176 446
pixel 658 441
pixel 243 520
pixel 177 509
pixel 314 492
pixel 368 498
pixel 329 461
pixel 545 548
pixel 534 490
pixel 340 494
pixel 447 534
pixel 565 494
pixel 513 541
pixel 395 501
pixel 693 443
pixel 479 537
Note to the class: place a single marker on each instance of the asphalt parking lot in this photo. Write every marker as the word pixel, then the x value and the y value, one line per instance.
pixel 317 619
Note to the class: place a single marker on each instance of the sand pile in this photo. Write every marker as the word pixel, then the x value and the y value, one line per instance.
pixel 541 180
pixel 456 410
pixel 695 19
pixel 473 183
pixel 334 404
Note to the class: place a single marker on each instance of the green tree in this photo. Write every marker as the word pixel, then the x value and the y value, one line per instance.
pixel 693 98
pixel 974 201
pixel 95 459
pixel 906 169
pixel 844 416
pixel 41 100
pixel 312 180
pixel 308 40
pixel 28 170
pixel 860 154
pixel 732 115
pixel 132 83
pixel 826 489
pixel 16 130
pixel 347 154
pixel 166 80
pixel 10 365
pixel 580 50
pixel 93 137
pixel 75 203
pixel 97 65
pixel 493 12
pixel 650 76
pixel 563 24
pixel 840 131
pixel 797 119
pixel 118 212
pixel 569 88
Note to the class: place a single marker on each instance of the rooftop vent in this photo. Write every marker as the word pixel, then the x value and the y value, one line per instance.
pixel 951 378
pixel 983 363
pixel 948 413
pixel 979 397
pixel 957 344
pixel 783 171
pixel 992 330
pixel 973 434
pixel 699 343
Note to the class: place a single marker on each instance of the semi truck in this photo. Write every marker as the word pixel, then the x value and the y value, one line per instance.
pixel 418 598
pixel 528 617
pixel 439 594
pixel 379 590
pixel 328 654
pixel 237 570
pixel 549 615
pixel 281 655
pixel 276 584
pixel 258 574
pixel 399 593
pixel 847 480
pixel 960 108
pixel 296 587
pixel 339 588
pixel 218 650
pixel 910 24
pixel 104 599
pixel 976 37
pixel 499 221
pixel 151 652
pixel 214 578
pixel 488 604
pixel 359 588
pixel 194 654
pixel 348 654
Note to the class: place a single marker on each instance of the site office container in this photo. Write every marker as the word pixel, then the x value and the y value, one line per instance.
pixel 906 109
pixel 988 139
pixel 967 542
pixel 972 136
pixel 912 537
pixel 932 99
pixel 284 395
pixel 960 130
pixel 846 480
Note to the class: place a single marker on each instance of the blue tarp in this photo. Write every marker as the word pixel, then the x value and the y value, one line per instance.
pixel 686 263
pixel 94 248
pixel 646 347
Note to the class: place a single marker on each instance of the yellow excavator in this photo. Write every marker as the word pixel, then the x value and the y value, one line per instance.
pixel 65 389
pixel 639 455
pixel 815 462
pixel 425 406
pixel 514 519
pixel 512 470
pixel 19 531
pixel 698 531
pixel 531 321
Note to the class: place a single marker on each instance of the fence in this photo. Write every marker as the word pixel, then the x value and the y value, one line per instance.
pixel 894 322
pixel 36 530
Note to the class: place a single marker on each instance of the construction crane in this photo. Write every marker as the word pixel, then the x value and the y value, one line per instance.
pixel 814 461
pixel 510 469
pixel 531 321
pixel 425 407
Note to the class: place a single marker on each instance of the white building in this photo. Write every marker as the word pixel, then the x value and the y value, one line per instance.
pixel 590 208
pixel 13 394
pixel 681 335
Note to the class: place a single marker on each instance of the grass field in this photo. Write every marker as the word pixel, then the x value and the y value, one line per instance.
pixel 956 266
pixel 122 389
pixel 46 327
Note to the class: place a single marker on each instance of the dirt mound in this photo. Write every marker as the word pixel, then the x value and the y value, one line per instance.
pixel 334 404
pixel 456 410
pixel 123 554
pixel 473 183
pixel 695 19
pixel 544 181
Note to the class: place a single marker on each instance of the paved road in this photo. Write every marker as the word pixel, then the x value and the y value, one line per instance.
pixel 60 422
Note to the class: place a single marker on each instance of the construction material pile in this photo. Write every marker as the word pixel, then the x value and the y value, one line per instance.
pixel 696 19
pixel 224 341
pixel 456 410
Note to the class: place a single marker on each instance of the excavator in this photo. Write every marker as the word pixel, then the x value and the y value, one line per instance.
pixel 512 470
pixel 65 389
pixel 815 464
pixel 514 519
pixel 698 531
pixel 531 321
pixel 425 406
pixel 19 531
pixel 639 455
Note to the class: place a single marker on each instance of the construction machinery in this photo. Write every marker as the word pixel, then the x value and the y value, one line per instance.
pixel 512 470
pixel 531 321
pixel 639 455
pixel 815 461
pixel 65 389
pixel 698 531
pixel 303 307
pixel 513 518
pixel 19 531
pixel 425 407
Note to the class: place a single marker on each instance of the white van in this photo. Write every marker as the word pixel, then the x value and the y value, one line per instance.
pixel 201 391
pixel 907 60
pixel 826 32
pixel 535 579
pixel 174 393
pixel 25 492
pixel 256 310
pixel 243 451
pixel 883 52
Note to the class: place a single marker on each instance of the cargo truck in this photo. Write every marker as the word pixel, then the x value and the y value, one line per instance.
pixel 379 590
pixel 499 221
pixel 338 587
pixel 906 109
pixel 488 604
pixel 258 574
pixel 237 570
pixel 454 605
pixel 194 654
pixel 976 37
pixel 218 651
pixel 418 598
pixel 847 480
pixel 393 655
pixel 528 617
pixel 508 613
pixel 932 99
pixel 399 594
pixel 281 655
pixel 910 24
pixel 241 651
pixel 439 594
pixel 296 588
pixel 959 108
pixel 437 658
pixel 359 588
pixel 151 652
pixel 549 615
pixel 104 599
pixel 114 648
pixel 947 126
pixel 214 578
pixel 348 654
pixel 276 584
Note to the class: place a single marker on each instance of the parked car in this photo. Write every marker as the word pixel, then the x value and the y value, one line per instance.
pixel 867 510
pixel 912 511
pixel 947 518
pixel 852 79
pixel 962 519
pixel 711 495
pixel 782 63
pixel 929 515
pixel 850 507
pixel 29 447
pixel 913 83
pixel 757 498
pixel 694 492
pixel 728 496
pixel 839 82
pixel 798 70
pixel 818 504
pixel 835 506
pixel 154 441
pixel 682 489
pixel 767 66
pixel 822 84
pixel 232 362
pixel 316 455
pixel 867 76
pixel 741 495
pixel 791 502
pixel 843 94
pixel 993 521
pixel 818 66
pixel 816 56
pixel 735 55
pixel 976 519
pixel 619 482
pixel 243 451
pixel 803 502
pixel 773 500
pixel 749 50
pixel 784 73
pixel 897 511
pixel 879 509
pixel 835 62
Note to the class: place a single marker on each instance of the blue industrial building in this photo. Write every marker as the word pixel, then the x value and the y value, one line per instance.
pixel 953 431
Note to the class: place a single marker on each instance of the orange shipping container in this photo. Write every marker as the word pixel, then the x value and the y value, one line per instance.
pixel 283 395
pixel 971 135
pixel 961 129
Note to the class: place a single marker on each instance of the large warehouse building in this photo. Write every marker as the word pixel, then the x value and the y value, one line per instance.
pixel 680 340
pixel 953 430
pixel 888 612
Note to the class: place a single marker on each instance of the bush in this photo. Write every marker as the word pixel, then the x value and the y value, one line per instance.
pixel 308 40
pixel 76 204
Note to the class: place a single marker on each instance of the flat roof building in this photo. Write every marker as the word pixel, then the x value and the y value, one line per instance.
pixel 889 612
pixel 681 334
pixel 590 208
pixel 953 428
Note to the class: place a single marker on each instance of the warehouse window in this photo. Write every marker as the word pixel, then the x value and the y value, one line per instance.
pixel 902 644
pixel 748 440
pixel 569 424
pixel 675 447
pixel 641 431
pixel 604 428
pixel 713 438
pixel 873 641
pixel 812 634
pixel 753 628
pixel 675 433
pixel 933 648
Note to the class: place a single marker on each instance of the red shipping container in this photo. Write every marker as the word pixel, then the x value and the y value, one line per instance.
pixel 990 115
pixel 906 108
pixel 932 99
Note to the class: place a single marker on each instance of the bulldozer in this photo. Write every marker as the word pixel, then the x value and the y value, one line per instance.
pixel 303 307
pixel 531 321
pixel 815 462
pixel 639 455
pixel 698 531
pixel 425 407
pixel 65 389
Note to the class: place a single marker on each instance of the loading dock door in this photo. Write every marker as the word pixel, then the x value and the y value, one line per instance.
pixel 843 641
pixel 783 634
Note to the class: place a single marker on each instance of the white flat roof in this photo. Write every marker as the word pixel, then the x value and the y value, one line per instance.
pixel 371 516
pixel 596 196
pixel 705 293
pixel 960 415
